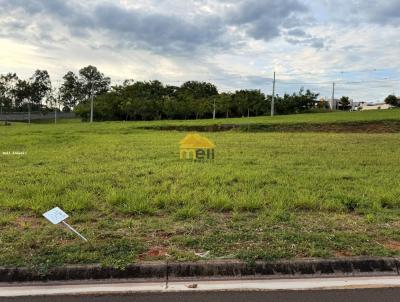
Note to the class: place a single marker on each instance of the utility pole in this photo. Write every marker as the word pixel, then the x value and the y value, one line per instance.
pixel 214 110
pixel 55 113
pixel 273 98
pixel 91 104
pixel 29 112
pixel 1 114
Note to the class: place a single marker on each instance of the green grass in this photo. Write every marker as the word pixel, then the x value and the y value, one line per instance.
pixel 265 196
pixel 329 117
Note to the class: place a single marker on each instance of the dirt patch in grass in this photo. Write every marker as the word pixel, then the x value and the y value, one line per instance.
pixel 154 253
pixel 345 127
pixel 24 222
pixel 342 254
pixel 393 245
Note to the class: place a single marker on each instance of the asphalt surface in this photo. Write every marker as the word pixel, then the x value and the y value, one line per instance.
pixel 341 295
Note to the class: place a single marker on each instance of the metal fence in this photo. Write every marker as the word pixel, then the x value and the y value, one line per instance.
pixel 34 116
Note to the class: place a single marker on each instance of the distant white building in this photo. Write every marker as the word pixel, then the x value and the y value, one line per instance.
pixel 333 104
pixel 329 103
pixel 375 106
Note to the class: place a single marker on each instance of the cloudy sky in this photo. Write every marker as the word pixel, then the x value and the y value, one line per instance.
pixel 235 44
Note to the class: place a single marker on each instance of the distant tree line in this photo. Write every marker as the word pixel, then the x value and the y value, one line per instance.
pixel 17 94
pixel 137 100
pixel 37 92
pixel 148 100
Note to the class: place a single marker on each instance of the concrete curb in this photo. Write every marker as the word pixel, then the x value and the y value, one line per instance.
pixel 212 269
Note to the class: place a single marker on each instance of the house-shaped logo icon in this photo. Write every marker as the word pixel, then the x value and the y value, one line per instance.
pixel 195 146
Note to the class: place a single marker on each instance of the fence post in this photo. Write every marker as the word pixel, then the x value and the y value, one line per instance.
pixel 29 113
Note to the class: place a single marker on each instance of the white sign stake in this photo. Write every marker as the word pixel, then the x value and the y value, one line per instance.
pixel 75 231
pixel 56 215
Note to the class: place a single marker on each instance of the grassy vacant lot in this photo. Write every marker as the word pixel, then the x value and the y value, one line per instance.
pixel 265 196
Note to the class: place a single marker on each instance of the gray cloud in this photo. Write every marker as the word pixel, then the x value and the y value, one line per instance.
pixel 156 30
pixel 130 27
pixel 263 19
pixel 33 7
pixel 297 32
pixel 382 12
pixel 299 36
pixel 43 15
pixel 309 41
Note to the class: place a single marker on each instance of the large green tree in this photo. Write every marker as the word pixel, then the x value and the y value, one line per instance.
pixel 76 90
pixel 195 98
pixel 392 100
pixel 296 102
pixel 40 87
pixel 345 102
pixel 224 104
pixel 70 90
pixel 249 102
pixel 7 90
pixel 92 82
pixel 22 94
pixel 198 90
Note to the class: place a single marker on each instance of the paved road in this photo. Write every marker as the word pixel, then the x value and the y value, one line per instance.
pixel 343 295
pixel 354 289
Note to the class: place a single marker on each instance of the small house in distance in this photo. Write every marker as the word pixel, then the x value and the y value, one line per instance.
pixel 195 146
